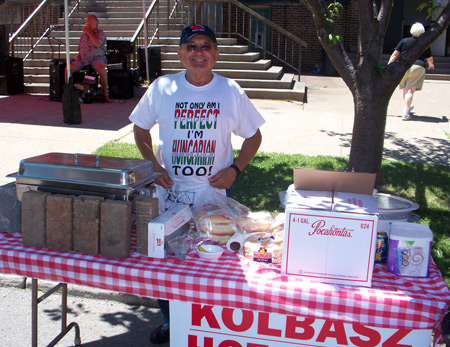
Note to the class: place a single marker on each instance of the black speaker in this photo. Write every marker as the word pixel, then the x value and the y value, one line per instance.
pixel 57 69
pixel 154 62
pixel 121 45
pixel 120 84
pixel 115 57
pixel 11 76
pixel 4 41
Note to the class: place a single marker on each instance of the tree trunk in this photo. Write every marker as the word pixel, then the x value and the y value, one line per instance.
pixel 371 84
pixel 368 132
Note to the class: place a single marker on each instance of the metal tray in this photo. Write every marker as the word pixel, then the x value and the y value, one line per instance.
pixel 85 170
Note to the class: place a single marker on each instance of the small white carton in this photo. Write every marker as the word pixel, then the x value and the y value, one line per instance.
pixel 332 241
pixel 166 226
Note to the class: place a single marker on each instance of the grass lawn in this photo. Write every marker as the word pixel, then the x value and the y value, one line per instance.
pixel 269 173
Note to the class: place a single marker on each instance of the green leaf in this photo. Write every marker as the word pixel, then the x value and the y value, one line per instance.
pixel 422 6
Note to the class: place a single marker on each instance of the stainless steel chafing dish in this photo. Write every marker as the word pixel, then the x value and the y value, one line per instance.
pixel 85 174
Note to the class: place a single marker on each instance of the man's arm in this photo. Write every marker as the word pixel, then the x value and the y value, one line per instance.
pixel 430 61
pixel 225 178
pixel 144 143
pixel 394 57
pixel 94 40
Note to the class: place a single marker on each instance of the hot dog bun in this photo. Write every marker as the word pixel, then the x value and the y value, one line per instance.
pixel 216 225
pixel 220 239
pixel 254 223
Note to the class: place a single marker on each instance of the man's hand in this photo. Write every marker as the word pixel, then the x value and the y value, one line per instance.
pixel 144 143
pixel 223 179
pixel 164 180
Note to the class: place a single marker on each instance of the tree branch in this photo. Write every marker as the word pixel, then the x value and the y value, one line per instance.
pixel 385 14
pixel 336 52
pixel 368 24
pixel 422 43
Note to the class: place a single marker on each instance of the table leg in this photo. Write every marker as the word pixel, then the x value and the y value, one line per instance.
pixel 34 315
pixel 35 301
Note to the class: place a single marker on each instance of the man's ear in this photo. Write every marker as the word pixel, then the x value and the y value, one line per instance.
pixel 179 53
pixel 217 54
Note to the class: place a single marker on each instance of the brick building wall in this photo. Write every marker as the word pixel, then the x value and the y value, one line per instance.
pixel 295 18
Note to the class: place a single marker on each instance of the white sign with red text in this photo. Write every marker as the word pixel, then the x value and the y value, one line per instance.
pixel 199 325
pixel 329 246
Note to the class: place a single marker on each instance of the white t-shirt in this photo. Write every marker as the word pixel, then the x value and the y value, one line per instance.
pixel 195 126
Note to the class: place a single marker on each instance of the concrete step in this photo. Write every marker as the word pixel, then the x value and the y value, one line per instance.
pixel 120 18
pixel 37 88
pixel 297 93
pixel 112 25
pixel 221 65
pixel 243 57
pixel 56 44
pixel 441 77
pixel 43 77
pixel 441 70
pixel 274 72
pixel 235 49
pixel 108 15
pixel 285 82
pixel 100 6
pixel 174 40
pixel 113 32
pixel 109 3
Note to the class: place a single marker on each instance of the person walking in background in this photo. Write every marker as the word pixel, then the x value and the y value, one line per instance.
pixel 415 75
pixel 92 51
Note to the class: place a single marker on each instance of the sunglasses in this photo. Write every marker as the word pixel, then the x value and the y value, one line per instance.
pixel 205 47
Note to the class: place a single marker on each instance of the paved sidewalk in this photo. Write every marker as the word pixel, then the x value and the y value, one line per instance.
pixel 31 125
pixel 105 319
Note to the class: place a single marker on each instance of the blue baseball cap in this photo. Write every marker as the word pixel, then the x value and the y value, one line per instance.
pixel 196 29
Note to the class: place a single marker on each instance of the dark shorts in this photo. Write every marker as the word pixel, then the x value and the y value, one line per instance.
pixel 94 62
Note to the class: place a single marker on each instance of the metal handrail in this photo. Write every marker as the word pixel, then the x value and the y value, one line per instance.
pixel 291 43
pixel 34 28
pixel 152 22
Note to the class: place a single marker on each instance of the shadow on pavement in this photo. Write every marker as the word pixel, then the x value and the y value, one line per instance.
pixel 418 118
pixel 424 150
pixel 39 110
pixel 137 323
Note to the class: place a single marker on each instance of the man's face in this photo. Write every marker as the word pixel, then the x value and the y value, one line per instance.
pixel 199 55
pixel 92 23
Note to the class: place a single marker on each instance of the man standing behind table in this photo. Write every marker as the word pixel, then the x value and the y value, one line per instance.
pixel 92 51
pixel 197 111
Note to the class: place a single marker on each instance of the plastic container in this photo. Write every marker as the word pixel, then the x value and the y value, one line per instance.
pixel 393 208
pixel 409 249
pixel 209 252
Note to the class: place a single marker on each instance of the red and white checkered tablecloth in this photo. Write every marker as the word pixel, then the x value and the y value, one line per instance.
pixel 233 281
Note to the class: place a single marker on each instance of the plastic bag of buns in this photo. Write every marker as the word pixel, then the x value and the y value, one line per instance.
pixel 254 222
pixel 266 247
pixel 216 217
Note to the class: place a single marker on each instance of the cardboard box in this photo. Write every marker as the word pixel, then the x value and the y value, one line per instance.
pixel 168 225
pixel 330 235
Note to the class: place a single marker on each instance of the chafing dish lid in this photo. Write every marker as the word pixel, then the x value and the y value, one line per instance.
pixel 87 169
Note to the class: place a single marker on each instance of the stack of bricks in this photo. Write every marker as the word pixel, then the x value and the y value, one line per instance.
pixel 86 224
pixel 147 209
